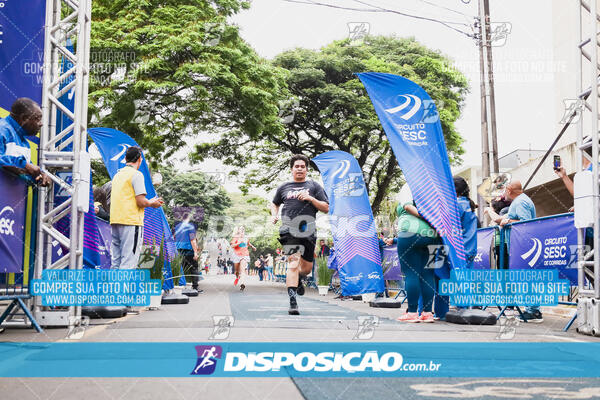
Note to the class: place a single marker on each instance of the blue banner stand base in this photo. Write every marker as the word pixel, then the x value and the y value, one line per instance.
pixel 17 300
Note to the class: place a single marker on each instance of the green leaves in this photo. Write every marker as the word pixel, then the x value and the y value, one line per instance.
pixel 328 108
pixel 167 71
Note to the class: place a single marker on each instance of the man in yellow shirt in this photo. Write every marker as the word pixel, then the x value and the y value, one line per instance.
pixel 127 203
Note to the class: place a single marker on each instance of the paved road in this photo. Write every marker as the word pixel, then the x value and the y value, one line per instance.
pixel 260 314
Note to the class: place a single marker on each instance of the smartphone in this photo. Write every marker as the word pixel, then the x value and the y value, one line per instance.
pixel 556 162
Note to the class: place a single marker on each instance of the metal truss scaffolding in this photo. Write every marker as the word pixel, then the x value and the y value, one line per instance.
pixel 588 307
pixel 67 21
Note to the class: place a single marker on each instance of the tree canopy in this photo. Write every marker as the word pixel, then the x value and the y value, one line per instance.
pixel 328 109
pixel 195 193
pixel 165 71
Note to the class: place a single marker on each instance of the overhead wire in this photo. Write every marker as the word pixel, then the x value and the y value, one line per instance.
pixel 375 8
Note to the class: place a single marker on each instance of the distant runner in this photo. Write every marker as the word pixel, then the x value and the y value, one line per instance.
pixel 241 255
pixel 301 199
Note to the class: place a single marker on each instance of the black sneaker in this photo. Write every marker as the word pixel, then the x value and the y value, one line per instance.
pixel 293 309
pixel 300 289
pixel 242 287
pixel 534 317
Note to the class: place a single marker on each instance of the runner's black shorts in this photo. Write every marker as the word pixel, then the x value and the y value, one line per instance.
pixel 304 245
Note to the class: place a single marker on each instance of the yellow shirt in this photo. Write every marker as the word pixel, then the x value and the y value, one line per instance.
pixel 123 208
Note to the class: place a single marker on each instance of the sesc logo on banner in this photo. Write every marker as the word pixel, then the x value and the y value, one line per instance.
pixel 7 221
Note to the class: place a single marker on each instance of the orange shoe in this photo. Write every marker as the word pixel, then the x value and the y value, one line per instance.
pixel 426 317
pixel 409 317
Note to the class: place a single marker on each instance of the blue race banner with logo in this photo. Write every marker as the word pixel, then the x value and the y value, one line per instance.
pixel 411 122
pixel 112 145
pixel 301 359
pixel 352 224
pixel 12 222
pixel 21 50
pixel 485 237
pixel 545 243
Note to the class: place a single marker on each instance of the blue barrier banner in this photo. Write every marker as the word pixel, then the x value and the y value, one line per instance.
pixel 391 264
pixel 411 123
pixel 545 243
pixel 352 224
pixel 235 359
pixel 112 145
pixel 105 236
pixel 485 238
pixel 12 222
pixel 21 50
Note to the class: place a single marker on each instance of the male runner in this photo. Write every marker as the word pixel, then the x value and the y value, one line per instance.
pixel 301 199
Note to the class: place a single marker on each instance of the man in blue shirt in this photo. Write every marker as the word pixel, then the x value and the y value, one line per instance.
pixel 521 209
pixel 185 241
pixel 15 154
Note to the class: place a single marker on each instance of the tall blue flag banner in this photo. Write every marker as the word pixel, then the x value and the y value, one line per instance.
pixel 485 238
pixel 411 123
pixel 21 51
pixel 112 145
pixel 352 224
pixel 545 243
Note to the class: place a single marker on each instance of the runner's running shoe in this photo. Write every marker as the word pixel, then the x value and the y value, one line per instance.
pixel 236 281
pixel 293 309
pixel 426 317
pixel 409 317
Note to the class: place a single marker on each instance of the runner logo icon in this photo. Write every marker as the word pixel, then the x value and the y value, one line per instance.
pixel 207 359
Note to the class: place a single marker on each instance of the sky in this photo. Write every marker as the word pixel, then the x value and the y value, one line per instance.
pixel 272 26
pixel 524 64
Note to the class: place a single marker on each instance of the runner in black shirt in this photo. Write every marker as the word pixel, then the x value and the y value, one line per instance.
pixel 301 200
